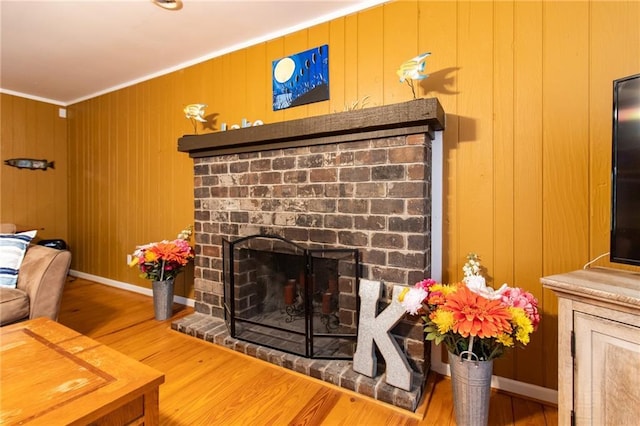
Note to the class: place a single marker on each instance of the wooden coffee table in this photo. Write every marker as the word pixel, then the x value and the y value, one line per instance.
pixel 50 374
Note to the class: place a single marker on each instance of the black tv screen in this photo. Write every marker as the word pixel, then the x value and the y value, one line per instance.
pixel 625 176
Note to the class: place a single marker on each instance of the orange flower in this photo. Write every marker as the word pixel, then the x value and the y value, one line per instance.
pixel 172 251
pixel 476 316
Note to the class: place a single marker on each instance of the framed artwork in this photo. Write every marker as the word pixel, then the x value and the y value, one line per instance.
pixel 301 79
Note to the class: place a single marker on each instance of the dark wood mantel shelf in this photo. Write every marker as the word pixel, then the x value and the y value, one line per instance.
pixel 416 116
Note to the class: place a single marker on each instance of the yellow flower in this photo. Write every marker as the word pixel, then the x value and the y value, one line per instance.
pixel 150 256
pixel 522 325
pixel 520 320
pixel 403 294
pixel 443 320
pixel 522 335
pixel 505 339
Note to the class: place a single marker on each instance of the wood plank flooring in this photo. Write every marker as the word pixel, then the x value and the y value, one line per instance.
pixel 206 384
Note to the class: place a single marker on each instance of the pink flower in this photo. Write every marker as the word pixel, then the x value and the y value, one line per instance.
pixel 425 284
pixel 518 298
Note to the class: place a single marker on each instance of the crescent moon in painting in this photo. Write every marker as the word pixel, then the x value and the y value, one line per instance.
pixel 284 70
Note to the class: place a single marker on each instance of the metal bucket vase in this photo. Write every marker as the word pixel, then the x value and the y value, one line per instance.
pixel 163 299
pixel 471 381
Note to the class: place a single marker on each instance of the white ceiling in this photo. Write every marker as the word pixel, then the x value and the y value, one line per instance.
pixel 66 51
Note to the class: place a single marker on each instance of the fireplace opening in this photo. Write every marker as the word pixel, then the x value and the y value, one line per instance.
pixel 284 296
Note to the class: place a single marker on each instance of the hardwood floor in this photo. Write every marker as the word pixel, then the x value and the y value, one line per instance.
pixel 206 384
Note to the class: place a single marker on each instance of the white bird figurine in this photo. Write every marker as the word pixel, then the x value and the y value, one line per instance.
pixel 195 112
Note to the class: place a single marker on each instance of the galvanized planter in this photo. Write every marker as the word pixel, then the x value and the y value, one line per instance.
pixel 471 381
pixel 163 299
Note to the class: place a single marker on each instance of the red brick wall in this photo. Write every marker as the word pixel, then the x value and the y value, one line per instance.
pixel 372 195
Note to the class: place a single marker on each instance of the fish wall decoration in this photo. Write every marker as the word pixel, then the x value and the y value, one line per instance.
pixel 29 163
pixel 413 70
pixel 195 112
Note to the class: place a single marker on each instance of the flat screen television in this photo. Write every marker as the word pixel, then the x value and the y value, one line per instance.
pixel 625 172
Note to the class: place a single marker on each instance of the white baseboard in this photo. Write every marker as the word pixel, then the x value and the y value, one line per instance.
pixel 129 287
pixel 508 385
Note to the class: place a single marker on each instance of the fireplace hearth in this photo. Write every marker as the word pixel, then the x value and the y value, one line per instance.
pixel 289 216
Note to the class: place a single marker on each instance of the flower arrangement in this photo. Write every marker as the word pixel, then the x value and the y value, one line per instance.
pixel 470 317
pixel 164 260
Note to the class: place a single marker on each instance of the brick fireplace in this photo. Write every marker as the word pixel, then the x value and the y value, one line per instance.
pixel 357 180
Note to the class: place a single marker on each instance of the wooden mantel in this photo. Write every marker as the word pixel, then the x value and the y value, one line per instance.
pixel 416 116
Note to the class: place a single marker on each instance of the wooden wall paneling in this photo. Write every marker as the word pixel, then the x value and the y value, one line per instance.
pixel 234 92
pixel 605 46
pixel 107 210
pixel 84 197
pixel 39 123
pixel 72 213
pixel 400 43
pixel 295 43
pixel 26 179
pixel 528 219
pixel 116 185
pixel 9 148
pixel 38 148
pixel 612 57
pixel 318 35
pixel 437 32
pixel 95 136
pixel 97 179
pixel 100 179
pixel 171 157
pixel 69 184
pixel 5 136
pixel 236 77
pixel 257 83
pixel 107 149
pixel 370 55
pixel 220 102
pixel 122 187
pixel 62 177
pixel 131 164
pixel 565 152
pixel 91 170
pixel 100 206
pixel 140 171
pixel 142 234
pixel 503 158
pixel 474 180
pixel 337 67
pixel 73 113
pixel 87 239
pixel 159 199
pixel 79 177
pixel 351 64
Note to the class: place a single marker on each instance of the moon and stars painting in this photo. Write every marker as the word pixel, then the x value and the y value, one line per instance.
pixel 301 79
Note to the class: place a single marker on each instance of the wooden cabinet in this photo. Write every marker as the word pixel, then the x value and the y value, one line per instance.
pixel 598 346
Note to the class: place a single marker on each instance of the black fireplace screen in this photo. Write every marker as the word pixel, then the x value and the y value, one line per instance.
pixel 283 296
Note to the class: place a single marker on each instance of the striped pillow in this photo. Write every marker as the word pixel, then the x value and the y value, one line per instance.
pixel 12 249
